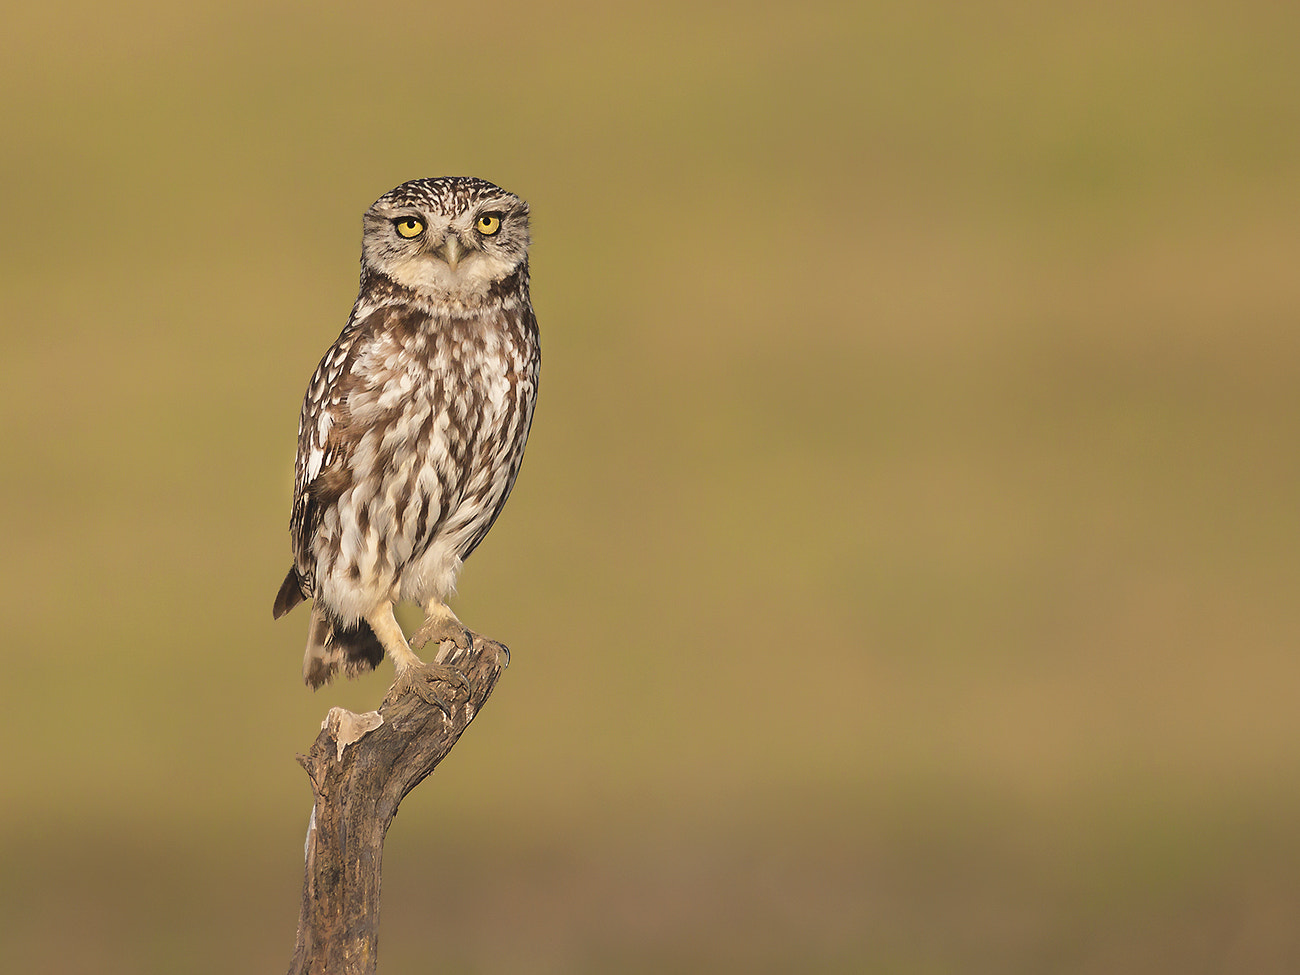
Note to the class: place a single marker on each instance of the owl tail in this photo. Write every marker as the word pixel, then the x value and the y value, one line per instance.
pixel 290 594
pixel 329 646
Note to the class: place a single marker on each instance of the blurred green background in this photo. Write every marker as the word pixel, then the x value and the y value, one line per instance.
pixel 903 575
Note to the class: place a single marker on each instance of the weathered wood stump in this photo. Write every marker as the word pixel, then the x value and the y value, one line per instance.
pixel 361 767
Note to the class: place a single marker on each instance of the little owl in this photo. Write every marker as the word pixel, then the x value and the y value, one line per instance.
pixel 413 426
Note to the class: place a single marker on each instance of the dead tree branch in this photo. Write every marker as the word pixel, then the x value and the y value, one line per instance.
pixel 361 767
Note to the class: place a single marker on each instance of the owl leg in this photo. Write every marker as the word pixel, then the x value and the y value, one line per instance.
pixel 413 674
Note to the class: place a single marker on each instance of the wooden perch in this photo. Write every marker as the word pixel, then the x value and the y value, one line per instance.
pixel 361 766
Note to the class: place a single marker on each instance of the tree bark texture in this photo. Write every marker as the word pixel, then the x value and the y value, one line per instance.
pixel 361 767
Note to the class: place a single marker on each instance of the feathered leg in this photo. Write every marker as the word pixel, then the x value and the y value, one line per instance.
pixel 413 674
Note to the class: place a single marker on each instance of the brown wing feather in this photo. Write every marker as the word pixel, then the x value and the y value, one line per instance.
pixel 322 473
pixel 290 594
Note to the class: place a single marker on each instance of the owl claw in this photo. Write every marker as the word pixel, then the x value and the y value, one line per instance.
pixel 418 679
pixel 480 646
pixel 440 628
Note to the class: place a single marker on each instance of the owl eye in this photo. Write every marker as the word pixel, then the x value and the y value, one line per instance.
pixel 488 224
pixel 409 227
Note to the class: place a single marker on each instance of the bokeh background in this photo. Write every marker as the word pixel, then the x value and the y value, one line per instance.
pixel 903 575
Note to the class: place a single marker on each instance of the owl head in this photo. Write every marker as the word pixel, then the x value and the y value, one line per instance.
pixel 451 238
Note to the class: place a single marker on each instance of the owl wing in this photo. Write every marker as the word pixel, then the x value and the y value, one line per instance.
pixel 325 441
pixel 325 444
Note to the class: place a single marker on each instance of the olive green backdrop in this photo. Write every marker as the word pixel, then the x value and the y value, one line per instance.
pixel 903 575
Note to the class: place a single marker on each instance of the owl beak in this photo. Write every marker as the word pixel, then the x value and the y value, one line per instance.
pixel 450 250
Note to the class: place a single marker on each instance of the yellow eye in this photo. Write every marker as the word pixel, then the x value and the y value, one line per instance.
pixel 488 224
pixel 409 227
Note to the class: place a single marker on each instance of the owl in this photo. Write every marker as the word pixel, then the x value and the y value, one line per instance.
pixel 413 426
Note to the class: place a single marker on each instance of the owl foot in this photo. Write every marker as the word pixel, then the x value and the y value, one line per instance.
pixel 436 629
pixel 478 646
pixel 418 679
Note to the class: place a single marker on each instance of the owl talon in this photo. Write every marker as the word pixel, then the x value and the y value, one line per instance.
pixel 441 628
pixel 480 645
pixel 418 679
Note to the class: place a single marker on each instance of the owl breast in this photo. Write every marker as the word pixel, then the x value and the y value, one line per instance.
pixel 438 414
